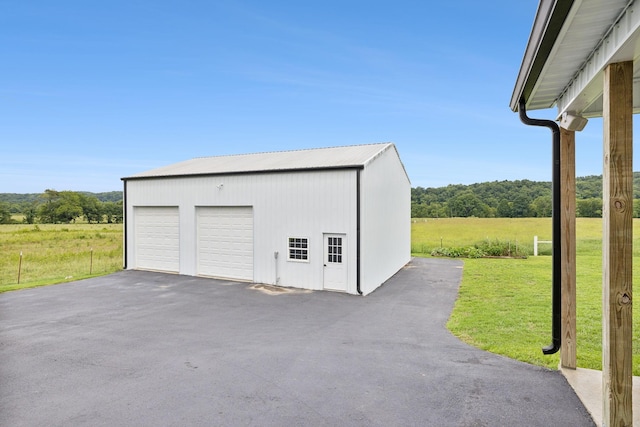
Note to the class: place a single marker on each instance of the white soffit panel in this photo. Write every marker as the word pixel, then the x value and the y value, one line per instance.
pixel 588 41
pixel 584 93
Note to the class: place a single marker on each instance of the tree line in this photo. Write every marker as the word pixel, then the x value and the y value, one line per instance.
pixel 56 207
pixel 503 199
pixel 509 199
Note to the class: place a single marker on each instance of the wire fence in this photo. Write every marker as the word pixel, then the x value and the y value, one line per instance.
pixel 27 267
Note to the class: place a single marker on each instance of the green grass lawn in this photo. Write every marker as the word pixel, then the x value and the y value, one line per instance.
pixel 54 253
pixel 504 305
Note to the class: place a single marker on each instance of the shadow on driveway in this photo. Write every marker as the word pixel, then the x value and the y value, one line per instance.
pixel 152 349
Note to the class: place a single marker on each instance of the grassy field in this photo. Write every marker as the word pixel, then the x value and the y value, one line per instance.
pixel 57 253
pixel 504 305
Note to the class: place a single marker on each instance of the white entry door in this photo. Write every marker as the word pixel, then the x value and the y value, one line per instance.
pixel 335 262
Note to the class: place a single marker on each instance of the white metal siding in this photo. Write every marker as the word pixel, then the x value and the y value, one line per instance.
pixel 385 228
pixel 157 242
pixel 289 204
pixel 225 242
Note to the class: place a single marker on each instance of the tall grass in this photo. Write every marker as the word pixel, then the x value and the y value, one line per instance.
pixel 57 253
pixel 504 305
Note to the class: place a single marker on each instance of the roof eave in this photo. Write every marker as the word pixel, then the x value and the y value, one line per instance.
pixel 550 18
pixel 247 172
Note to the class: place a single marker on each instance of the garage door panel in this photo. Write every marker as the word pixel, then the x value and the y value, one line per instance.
pixel 225 242
pixel 157 238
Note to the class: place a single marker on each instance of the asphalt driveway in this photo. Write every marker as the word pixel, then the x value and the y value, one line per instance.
pixel 150 349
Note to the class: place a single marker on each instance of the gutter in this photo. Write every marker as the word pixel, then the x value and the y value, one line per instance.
pixel 550 18
pixel 556 316
pixel 247 172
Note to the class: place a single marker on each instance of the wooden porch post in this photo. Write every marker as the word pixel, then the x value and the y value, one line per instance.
pixel 617 233
pixel 568 255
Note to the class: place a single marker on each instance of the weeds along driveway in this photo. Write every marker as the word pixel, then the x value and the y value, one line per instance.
pixel 151 349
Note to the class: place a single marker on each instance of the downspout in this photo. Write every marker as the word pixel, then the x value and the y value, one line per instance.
pixel 556 272
pixel 124 223
pixel 358 232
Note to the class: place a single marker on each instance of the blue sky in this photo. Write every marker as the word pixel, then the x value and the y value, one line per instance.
pixel 94 91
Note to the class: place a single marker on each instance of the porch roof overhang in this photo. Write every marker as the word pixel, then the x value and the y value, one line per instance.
pixel 571 43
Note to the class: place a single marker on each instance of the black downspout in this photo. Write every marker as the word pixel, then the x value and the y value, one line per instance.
pixel 556 317
pixel 358 232
pixel 124 222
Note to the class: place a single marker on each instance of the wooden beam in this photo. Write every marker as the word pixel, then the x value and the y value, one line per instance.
pixel 617 241
pixel 568 245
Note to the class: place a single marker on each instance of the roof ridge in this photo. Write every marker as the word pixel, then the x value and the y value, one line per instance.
pixel 297 150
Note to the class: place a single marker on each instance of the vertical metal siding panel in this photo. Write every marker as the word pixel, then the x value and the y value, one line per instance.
pixel 307 205
pixel 296 204
pixel 386 220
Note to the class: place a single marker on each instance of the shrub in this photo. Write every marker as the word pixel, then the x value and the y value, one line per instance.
pixel 468 252
pixel 494 247
pixel 486 248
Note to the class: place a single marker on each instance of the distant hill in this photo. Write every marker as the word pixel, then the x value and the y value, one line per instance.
pixel 95 207
pixel 108 196
pixel 19 198
pixel 521 198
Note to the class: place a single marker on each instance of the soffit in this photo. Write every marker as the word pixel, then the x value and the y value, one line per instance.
pixel 595 33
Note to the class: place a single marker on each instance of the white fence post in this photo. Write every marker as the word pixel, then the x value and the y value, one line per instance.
pixel 536 242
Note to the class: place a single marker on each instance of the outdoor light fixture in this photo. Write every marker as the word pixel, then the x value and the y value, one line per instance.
pixel 572 122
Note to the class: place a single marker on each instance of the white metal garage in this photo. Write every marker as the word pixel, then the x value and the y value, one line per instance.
pixel 225 241
pixel 331 218
pixel 157 231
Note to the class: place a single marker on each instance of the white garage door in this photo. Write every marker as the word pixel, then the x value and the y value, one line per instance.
pixel 157 242
pixel 225 242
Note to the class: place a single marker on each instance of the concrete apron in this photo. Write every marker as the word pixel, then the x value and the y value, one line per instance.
pixel 587 383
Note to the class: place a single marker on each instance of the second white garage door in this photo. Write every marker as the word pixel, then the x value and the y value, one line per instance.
pixel 225 242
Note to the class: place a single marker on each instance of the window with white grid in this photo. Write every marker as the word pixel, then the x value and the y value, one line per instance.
pixel 298 249
pixel 334 250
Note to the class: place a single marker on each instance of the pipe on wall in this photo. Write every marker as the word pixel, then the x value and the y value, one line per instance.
pixel 125 225
pixel 358 289
pixel 556 316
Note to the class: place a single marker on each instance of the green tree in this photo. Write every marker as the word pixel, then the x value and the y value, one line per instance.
pixel 68 212
pixel 505 209
pixel 437 210
pixel 92 208
pixel 30 213
pixel 113 211
pixel 5 214
pixel 59 206
pixel 467 204
pixel 418 210
pixel 589 208
pixel 50 200
pixel 541 206
pixel 521 206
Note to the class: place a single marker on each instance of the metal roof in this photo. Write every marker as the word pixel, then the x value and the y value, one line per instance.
pixel 346 157
pixel 571 43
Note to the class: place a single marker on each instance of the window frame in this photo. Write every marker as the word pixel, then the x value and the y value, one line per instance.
pixel 304 251
pixel 334 257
